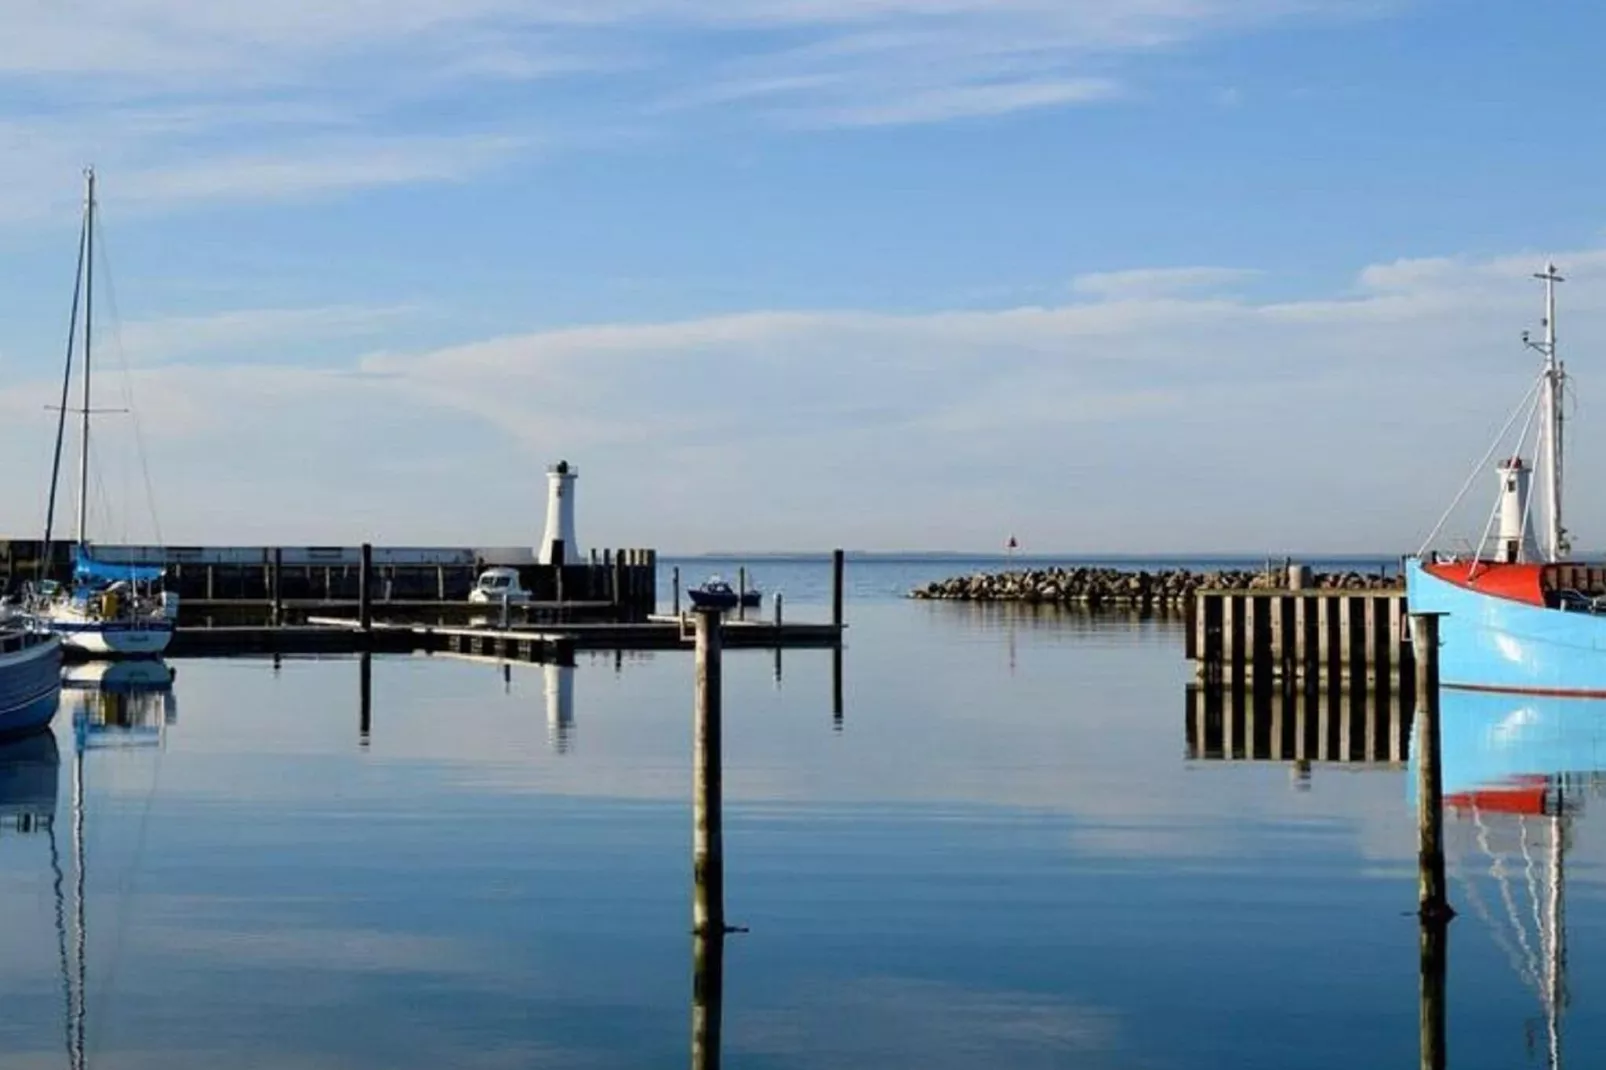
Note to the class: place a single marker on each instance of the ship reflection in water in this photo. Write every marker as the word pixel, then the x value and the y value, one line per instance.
pixel 120 703
pixel 1518 771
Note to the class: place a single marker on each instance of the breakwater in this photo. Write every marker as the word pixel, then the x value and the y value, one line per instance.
pixel 1087 586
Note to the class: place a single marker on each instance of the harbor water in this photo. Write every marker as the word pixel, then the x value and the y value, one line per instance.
pixel 1000 851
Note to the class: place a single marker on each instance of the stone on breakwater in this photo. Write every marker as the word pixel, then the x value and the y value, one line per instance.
pixel 1112 586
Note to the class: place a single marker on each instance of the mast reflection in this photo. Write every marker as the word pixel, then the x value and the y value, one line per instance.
pixel 1517 771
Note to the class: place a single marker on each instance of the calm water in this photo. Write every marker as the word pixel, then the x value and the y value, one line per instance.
pixel 1000 853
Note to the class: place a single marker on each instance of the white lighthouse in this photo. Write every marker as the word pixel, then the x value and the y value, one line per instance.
pixel 558 545
pixel 1517 540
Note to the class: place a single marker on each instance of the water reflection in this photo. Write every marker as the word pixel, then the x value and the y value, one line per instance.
pixel 120 703
pixel 30 768
pixel 558 681
pixel 1518 771
pixel 707 998
pixel 1300 725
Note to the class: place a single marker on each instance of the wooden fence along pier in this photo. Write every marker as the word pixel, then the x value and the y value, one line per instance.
pixel 1359 637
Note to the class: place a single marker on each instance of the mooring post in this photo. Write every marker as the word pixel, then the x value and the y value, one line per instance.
pixel 837 563
pixel 278 586
pixel 1435 955
pixel 365 696
pixel 619 582
pixel 1432 901
pixel 741 592
pixel 674 579
pixel 708 852
pixel 777 616
pixel 365 609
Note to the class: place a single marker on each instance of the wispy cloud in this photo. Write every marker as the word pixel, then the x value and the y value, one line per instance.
pixel 1158 282
pixel 1125 418
pixel 242 100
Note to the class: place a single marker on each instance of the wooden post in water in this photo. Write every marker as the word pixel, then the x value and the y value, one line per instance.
pixel 277 592
pixel 365 608
pixel 1431 893
pixel 619 582
pixel 1435 955
pixel 741 592
pixel 837 564
pixel 674 579
pixel 708 849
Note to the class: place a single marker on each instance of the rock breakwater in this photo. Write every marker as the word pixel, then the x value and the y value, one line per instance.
pixel 1127 587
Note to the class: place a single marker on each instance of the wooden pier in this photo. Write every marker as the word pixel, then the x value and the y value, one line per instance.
pixel 222 577
pixel 1316 636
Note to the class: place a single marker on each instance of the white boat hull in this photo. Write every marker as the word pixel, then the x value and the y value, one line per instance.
pixel 118 638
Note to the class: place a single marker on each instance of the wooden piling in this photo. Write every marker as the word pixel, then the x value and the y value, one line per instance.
pixel 1432 901
pixel 365 609
pixel 675 587
pixel 618 590
pixel 708 854
pixel 777 614
pixel 838 563
pixel 278 585
pixel 741 593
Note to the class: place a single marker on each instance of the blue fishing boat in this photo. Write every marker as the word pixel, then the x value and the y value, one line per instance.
pixel 1519 614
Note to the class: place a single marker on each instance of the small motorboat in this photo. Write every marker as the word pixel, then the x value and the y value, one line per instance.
pixel 500 584
pixel 717 594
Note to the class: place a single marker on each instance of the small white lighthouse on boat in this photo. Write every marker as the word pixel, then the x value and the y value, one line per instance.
pixel 1517 539
pixel 559 545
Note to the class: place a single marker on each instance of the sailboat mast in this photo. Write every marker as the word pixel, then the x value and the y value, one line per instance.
pixel 1552 419
pixel 89 305
pixel 66 394
pixel 89 312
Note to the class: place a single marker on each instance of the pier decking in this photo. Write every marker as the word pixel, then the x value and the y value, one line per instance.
pixel 344 635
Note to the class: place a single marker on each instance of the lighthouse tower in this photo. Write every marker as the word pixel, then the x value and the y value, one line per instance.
pixel 1516 541
pixel 558 545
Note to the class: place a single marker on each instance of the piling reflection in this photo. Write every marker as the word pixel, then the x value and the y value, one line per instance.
pixel 1435 947
pixel 707 998
pixel 365 698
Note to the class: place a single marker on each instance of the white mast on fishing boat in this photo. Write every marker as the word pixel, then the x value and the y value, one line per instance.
pixel 1555 545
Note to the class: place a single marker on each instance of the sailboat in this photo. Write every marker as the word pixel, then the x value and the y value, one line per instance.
pixel 107 608
pixel 1519 615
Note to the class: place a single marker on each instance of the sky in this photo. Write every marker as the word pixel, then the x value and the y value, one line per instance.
pixel 1105 275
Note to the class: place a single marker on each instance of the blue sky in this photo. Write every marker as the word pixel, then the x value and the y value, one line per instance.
pixel 1121 276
